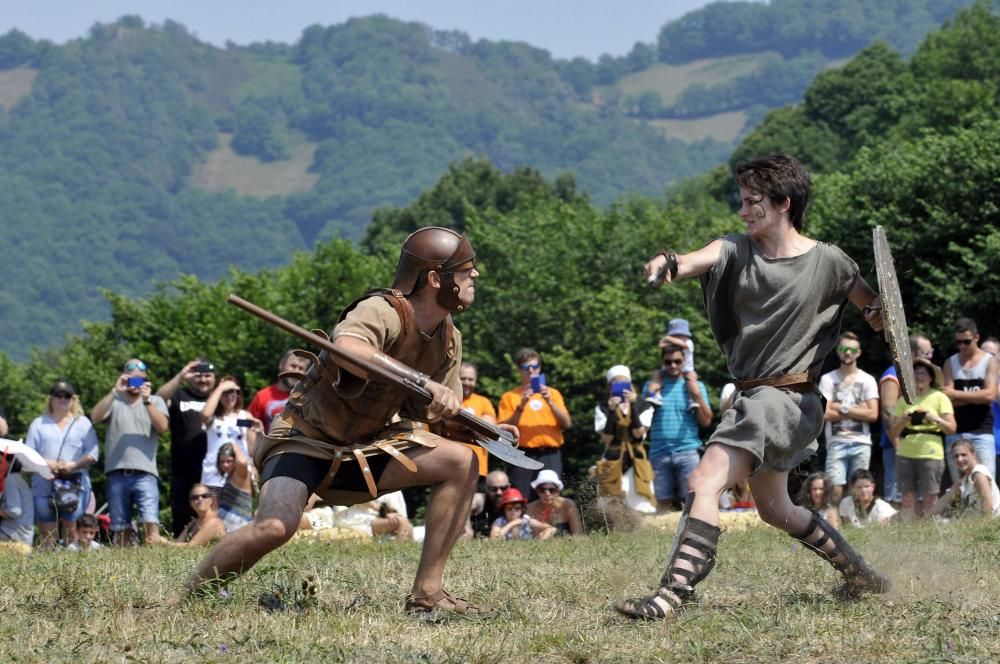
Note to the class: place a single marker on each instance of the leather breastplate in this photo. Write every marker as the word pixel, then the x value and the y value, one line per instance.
pixel 350 410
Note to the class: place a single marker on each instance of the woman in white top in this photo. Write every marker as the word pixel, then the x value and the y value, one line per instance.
pixel 226 422
pixel 976 489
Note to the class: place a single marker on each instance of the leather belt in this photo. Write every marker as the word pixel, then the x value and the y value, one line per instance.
pixel 796 382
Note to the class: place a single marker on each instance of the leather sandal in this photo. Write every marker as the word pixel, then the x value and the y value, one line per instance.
pixel 432 606
pixel 646 608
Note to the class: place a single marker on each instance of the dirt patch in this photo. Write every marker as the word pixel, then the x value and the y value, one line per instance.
pixel 224 170
pixel 15 85
pixel 721 126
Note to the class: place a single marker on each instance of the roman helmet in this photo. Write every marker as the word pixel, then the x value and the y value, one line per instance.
pixel 434 248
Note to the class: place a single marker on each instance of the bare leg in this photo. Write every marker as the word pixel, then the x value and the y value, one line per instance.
pixel 281 503
pixel 927 504
pixel 453 470
pixel 47 535
pixel 69 532
pixel 837 493
pixel 692 555
pixel 770 490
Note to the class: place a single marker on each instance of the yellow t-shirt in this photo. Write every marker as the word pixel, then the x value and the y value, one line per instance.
pixel 537 425
pixel 929 445
pixel 479 406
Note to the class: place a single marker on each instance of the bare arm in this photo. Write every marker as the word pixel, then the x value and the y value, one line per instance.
pixel 981 397
pixel 943 503
pixel 159 421
pixel 208 532
pixel 3 427
pixel 704 412
pixel 169 388
pixel 888 396
pixel 212 403
pixel 868 301
pixel 982 485
pixel 688 265
pixel 572 514
pixel 865 412
pixel 561 414
pixel 102 408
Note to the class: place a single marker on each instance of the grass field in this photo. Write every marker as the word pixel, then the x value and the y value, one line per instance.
pixel 15 85
pixel 721 126
pixel 224 170
pixel 670 80
pixel 767 600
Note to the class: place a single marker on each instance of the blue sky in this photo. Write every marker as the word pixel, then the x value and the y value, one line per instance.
pixel 566 28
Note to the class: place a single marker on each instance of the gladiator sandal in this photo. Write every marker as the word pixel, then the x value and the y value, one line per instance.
pixel 692 557
pixel 434 605
pixel 830 545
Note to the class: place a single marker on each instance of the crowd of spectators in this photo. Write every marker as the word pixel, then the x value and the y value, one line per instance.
pixel 938 453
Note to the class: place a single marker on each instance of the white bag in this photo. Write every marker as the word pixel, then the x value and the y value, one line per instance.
pixel 632 499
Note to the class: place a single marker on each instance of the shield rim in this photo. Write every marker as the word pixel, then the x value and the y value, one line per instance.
pixel 893 315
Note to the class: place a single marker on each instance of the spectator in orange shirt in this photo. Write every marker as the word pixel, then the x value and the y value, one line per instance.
pixel 539 413
pixel 476 404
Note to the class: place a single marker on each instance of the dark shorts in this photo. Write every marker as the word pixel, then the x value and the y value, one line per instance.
pixel 311 471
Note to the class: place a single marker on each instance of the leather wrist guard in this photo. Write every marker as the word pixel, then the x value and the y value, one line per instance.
pixel 400 369
pixel 671 265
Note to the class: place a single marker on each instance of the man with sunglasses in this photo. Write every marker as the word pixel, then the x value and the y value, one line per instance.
pixel 486 509
pixel 775 301
pixel 349 437
pixel 540 414
pixel 136 417
pixel 851 404
pixel 970 381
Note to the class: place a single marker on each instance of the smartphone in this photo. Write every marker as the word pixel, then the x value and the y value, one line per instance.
pixel 204 367
pixel 618 389
pixel 135 382
pixel 244 423
pixel 537 382
pixel 917 417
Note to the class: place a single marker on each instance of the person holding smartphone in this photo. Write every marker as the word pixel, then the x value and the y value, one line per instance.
pixel 621 421
pixel 136 417
pixel 540 414
pixel 226 421
pixel 918 432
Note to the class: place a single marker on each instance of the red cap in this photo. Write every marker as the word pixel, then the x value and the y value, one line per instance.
pixel 511 496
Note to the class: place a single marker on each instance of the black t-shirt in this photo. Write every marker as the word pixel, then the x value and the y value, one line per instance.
pixel 482 522
pixel 187 434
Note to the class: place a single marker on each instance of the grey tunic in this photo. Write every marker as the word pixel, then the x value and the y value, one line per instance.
pixel 773 317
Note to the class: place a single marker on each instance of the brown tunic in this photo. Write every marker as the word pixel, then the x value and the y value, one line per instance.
pixel 333 414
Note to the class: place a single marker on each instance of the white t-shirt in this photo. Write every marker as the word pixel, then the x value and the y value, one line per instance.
pixel 222 430
pixel 969 499
pixel 863 387
pixel 880 512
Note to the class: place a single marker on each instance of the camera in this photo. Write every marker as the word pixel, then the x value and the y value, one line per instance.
pixel 917 417
pixel 244 423
pixel 135 382
pixel 204 367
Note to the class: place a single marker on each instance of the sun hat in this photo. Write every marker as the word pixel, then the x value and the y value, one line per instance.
pixel 678 327
pixel 547 477
pixel 619 370
pixel 937 376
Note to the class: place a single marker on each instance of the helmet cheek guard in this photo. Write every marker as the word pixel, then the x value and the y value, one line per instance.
pixel 434 248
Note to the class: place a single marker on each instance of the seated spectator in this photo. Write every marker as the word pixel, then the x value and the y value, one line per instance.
pixel 383 517
pixel 975 492
pixel 206 527
pixel 621 421
pixel 514 523
pixel 86 534
pixel 226 422
pixel 486 506
pixel 862 508
pixel 65 438
pixel 17 512
pixel 236 499
pixel 816 494
pixel 552 508
pixel 918 432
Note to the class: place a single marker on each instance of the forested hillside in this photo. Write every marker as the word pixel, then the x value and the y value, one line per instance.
pixel 138 153
pixel 912 145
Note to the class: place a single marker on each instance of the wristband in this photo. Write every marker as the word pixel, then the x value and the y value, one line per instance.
pixel 671 265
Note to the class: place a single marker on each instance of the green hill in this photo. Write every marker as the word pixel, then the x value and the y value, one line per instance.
pixel 138 153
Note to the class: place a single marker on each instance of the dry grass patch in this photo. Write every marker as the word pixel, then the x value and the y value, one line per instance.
pixel 224 170
pixel 15 85
pixel 768 600
pixel 670 80
pixel 723 127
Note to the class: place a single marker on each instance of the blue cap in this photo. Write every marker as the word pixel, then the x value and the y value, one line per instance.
pixel 679 327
